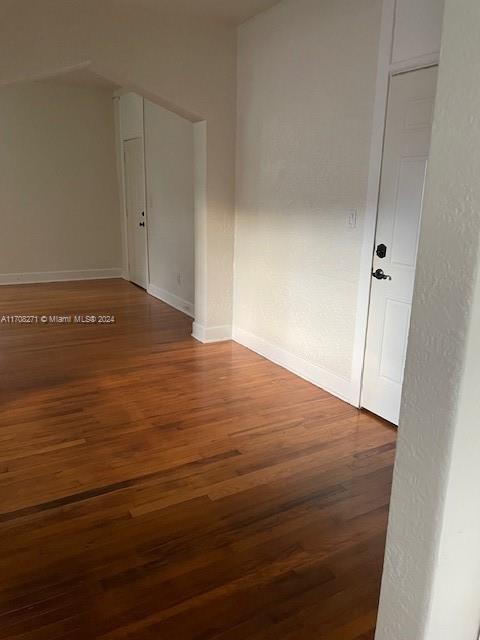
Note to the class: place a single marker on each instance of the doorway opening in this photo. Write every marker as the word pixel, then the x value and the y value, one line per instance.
pixel 101 184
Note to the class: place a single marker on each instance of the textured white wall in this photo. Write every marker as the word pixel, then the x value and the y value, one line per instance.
pixel 306 87
pixel 169 165
pixel 432 570
pixel 59 197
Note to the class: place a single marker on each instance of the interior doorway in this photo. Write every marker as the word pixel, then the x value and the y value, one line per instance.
pixel 405 157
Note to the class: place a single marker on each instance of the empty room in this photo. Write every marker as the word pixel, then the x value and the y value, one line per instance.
pixel 239 310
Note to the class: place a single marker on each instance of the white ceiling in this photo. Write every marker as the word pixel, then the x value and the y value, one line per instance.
pixel 229 11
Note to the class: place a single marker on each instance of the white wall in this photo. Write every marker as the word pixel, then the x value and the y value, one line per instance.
pixel 307 155
pixel 306 87
pixel 431 578
pixel 186 64
pixel 169 162
pixel 59 197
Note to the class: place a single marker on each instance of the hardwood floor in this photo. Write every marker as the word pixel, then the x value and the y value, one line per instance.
pixel 153 488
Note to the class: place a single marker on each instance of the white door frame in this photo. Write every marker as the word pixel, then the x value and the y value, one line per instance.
pixel 147 256
pixel 125 216
pixel 385 70
pixel 123 186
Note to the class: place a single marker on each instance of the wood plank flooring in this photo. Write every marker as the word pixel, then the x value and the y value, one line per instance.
pixel 153 488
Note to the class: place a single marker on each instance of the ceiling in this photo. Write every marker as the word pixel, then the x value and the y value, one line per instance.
pixel 230 11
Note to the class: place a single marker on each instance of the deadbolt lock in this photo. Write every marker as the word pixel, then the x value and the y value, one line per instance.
pixel 381 251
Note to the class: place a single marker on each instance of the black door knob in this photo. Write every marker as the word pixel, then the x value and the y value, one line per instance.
pixel 379 275
pixel 141 224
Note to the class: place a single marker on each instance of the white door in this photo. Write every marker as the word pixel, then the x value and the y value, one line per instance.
pixel 135 205
pixel 405 156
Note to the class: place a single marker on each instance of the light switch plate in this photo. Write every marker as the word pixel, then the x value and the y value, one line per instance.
pixel 352 218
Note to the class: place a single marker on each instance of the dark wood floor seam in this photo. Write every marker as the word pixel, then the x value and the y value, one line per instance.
pixel 82 496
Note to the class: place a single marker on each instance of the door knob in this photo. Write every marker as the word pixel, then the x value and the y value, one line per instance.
pixel 379 275
pixel 141 224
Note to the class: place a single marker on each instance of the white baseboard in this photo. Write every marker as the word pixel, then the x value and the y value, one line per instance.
pixel 172 300
pixel 59 276
pixel 211 334
pixel 336 385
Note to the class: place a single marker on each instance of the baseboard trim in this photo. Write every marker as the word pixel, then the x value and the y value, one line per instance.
pixel 172 300
pixel 59 276
pixel 330 382
pixel 211 334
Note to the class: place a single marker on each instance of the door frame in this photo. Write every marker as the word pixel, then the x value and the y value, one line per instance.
pixel 385 71
pixel 125 221
pixel 123 186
